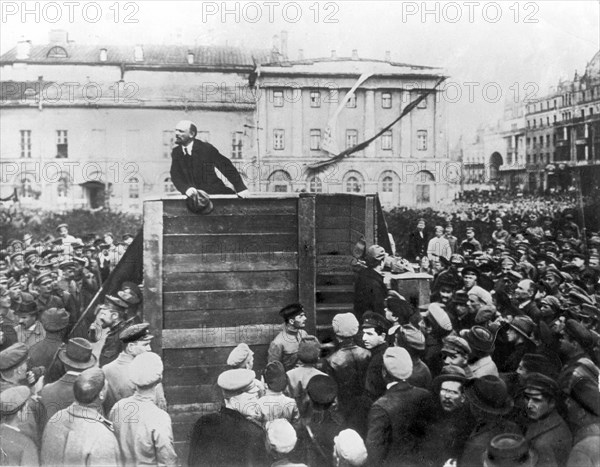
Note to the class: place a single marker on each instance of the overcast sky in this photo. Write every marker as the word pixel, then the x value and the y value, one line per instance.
pixel 503 42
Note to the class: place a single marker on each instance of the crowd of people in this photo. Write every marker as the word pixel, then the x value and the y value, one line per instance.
pixel 500 367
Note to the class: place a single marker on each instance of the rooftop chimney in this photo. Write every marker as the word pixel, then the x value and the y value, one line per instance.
pixel 23 49
pixel 276 43
pixel 284 44
pixel 354 54
pixel 58 36
pixel 138 53
pixel 190 57
pixel 388 56
pixel 333 54
pixel 300 54
pixel 103 55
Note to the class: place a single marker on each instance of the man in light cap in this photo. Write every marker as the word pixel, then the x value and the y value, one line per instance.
pixel 150 440
pixel 194 164
pixel 349 449
pixel 284 347
pixel 348 367
pixel 79 434
pixel 17 448
pixel 229 437
pixel 369 288
pixel 397 419
pixel 136 340
pixel 413 340
pixel 243 357
pixel 281 440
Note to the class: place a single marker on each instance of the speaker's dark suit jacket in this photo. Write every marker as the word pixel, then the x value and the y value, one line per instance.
pixel 198 170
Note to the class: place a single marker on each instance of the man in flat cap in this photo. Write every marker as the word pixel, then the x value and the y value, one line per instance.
pixel 398 418
pixel 55 322
pixel 547 432
pixel 284 347
pixel 298 378
pixel 149 440
pixel 448 432
pixel 280 442
pixel 17 448
pixel 74 358
pixel 29 330
pixel 14 372
pixel 136 340
pixel 413 340
pixel 348 367
pixel 79 434
pixel 369 287
pixel 583 406
pixel 374 335
pixel 349 449
pixel 575 345
pixel 211 438
pixel 456 351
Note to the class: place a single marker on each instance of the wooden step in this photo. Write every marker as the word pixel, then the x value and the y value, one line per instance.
pixel 334 278
pixel 342 293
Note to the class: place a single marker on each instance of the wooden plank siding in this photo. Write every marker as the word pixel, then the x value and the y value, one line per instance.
pixel 213 281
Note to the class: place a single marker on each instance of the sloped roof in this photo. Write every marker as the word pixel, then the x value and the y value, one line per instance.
pixel 153 55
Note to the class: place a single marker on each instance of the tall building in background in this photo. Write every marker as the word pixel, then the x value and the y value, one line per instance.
pixel 91 126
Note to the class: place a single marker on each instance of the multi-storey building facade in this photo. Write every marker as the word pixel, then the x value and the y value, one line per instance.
pixel 92 126
pixel 562 137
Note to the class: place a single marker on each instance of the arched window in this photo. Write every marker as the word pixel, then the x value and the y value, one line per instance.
pixel 63 187
pixel 352 184
pixel 423 181
pixel 134 188
pixel 168 186
pixel 315 185
pixel 387 184
pixel 57 52
pixel 280 181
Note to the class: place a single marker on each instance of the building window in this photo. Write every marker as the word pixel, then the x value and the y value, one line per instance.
pixel 386 100
pixel 351 138
pixel 554 118
pixel 236 144
pixel 422 140
pixel 278 98
pixel 279 139
pixel 134 188
pixel 351 103
pixel 315 140
pixel 315 185
pixel 204 136
pixel 548 140
pixel 386 141
pixel 280 181
pixel 26 188
pixel 62 188
pixel 25 144
pixel 422 104
pixel 62 144
pixel 168 142
pixel 57 52
pixel 315 98
pixel 387 184
pixel 352 185
pixel 591 111
pixel 168 186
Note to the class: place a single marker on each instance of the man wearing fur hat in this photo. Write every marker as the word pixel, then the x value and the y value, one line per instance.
pixel 397 419
pixel 150 440
pixel 229 437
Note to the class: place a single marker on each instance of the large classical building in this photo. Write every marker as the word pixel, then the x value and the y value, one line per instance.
pixel 92 125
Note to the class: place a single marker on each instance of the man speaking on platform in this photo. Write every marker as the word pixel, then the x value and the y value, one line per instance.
pixel 193 164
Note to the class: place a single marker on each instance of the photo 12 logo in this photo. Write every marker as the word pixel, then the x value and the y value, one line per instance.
pixel 53 12
pixel 255 12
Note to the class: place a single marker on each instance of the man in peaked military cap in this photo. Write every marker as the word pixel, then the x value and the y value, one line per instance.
pixel 79 434
pixel 211 440
pixel 18 448
pixel 149 441
pixel 284 347
pixel 136 340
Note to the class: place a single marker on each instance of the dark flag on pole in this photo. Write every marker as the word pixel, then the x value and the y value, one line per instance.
pixel 129 268
pixel 318 167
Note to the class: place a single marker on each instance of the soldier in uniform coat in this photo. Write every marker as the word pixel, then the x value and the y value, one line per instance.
pixel 17 448
pixel 54 321
pixel 148 441
pixel 112 319
pixel 228 437
pixel 79 434
pixel 284 347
